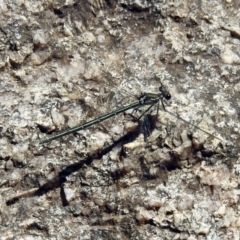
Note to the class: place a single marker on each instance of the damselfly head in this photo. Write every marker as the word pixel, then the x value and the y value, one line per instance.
pixel 165 93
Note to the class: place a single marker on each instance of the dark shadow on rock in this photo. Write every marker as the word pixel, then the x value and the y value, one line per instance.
pixel 58 181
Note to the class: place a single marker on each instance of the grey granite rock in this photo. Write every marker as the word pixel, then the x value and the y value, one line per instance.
pixel 66 62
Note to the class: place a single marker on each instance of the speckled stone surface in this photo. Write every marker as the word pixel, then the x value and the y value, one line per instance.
pixel 64 63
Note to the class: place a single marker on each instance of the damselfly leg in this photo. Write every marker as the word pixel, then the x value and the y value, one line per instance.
pixel 162 95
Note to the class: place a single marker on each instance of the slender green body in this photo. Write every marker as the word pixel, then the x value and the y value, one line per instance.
pixel 143 100
pixel 150 101
pixel 90 123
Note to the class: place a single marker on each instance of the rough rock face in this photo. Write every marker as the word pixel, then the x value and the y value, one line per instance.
pixel 174 175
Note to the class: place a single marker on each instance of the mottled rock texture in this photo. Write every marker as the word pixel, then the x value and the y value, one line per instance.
pixel 64 63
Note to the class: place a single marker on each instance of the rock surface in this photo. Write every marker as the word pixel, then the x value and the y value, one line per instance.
pixel 171 176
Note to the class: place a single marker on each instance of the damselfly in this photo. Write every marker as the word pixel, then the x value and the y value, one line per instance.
pixel 143 100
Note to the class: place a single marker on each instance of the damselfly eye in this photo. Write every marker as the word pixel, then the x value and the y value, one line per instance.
pixel 168 96
pixel 165 92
